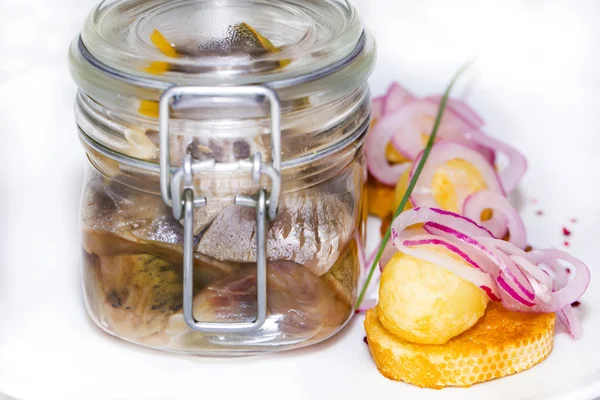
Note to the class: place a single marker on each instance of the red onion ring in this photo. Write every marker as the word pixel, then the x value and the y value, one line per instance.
pixel 504 216
pixel 420 215
pixel 568 318
pixel 492 296
pixel 367 304
pixel 469 117
pixel 518 282
pixel 440 154
pixel 396 97
pixel 388 252
pixel 417 117
pixel 421 116
pixel 461 109
pixel 375 149
pixel 512 174
pixel 536 273
pixel 432 240
pixel 473 207
pixel 573 289
pixel 512 293
pixel 377 108
pixel 420 247
pixel 459 124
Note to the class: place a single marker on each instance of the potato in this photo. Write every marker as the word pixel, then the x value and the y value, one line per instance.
pixel 424 303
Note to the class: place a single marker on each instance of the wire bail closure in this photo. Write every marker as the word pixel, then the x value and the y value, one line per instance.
pixel 177 191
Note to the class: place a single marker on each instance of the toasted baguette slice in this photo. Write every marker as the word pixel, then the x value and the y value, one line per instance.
pixel 500 344
pixel 379 198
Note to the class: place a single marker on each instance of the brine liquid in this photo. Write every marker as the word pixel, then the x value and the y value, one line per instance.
pixel 138 296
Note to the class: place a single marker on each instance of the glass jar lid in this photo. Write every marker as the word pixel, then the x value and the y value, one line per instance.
pixel 315 54
pixel 156 43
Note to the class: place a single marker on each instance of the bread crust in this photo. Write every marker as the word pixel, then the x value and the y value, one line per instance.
pixel 501 343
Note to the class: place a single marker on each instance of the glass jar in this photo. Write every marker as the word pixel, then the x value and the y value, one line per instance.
pixel 222 209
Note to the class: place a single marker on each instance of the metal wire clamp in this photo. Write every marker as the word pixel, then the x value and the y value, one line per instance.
pixel 177 191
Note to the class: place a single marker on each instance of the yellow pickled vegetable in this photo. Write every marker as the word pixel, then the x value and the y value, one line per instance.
pixel 150 107
pixel 163 45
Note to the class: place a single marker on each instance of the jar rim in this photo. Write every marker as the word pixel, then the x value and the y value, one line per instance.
pixel 152 84
pixel 154 44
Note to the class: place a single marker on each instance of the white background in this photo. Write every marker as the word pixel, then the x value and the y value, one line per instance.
pixel 536 82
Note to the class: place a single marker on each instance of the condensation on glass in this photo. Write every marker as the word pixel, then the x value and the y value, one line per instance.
pixel 248 240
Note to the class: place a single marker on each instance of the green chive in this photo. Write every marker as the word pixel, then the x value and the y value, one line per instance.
pixel 414 179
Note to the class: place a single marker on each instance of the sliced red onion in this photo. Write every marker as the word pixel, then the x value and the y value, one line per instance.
pixel 396 97
pixel 435 241
pixel 367 304
pixel 488 154
pixel 504 216
pixel 492 296
pixel 512 174
pixel 405 127
pixel 409 137
pixel 416 119
pixel 575 287
pixel 570 321
pixel 421 215
pixel 552 266
pixel 561 297
pixel 508 289
pixel 388 252
pixel 375 149
pixel 542 282
pixel 517 281
pixel 442 153
pixel 506 247
pixel 533 270
pixel 475 204
pixel 461 109
pixel 377 105
pixel 421 247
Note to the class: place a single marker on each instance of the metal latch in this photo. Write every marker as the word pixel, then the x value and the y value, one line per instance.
pixel 177 192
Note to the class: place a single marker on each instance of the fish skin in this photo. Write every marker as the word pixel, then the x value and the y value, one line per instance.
pixel 310 229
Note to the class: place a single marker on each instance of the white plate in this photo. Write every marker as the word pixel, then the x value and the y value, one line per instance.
pixel 534 83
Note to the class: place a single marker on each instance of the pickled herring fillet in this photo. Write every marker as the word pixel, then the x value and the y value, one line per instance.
pixel 116 208
pixel 310 229
pixel 135 294
pixel 301 303
pixel 137 217
pixel 118 220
